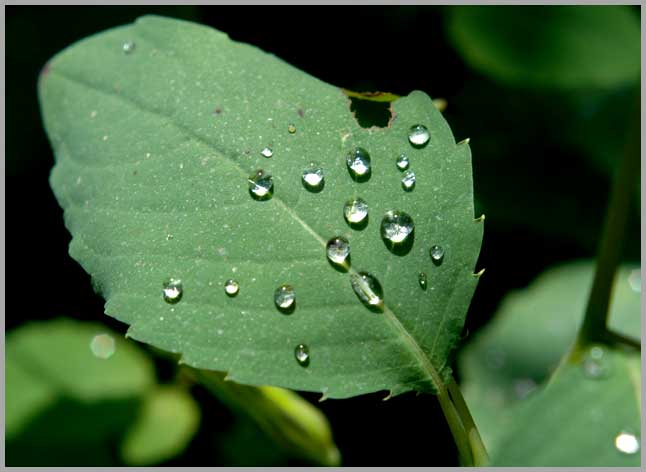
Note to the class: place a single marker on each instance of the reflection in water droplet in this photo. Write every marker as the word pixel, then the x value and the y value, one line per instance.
pixel 313 178
pixel 523 387
pixel 231 287
pixel 402 162
pixel 627 443
pixel 595 363
pixel 172 290
pixel 128 47
pixel 368 289
pixel 302 354
pixel 437 254
pixel 418 135
pixel 423 280
pixel 102 346
pixel 358 161
pixel 338 250
pixel 396 227
pixel 261 185
pixel 635 280
pixel 408 181
pixel 267 152
pixel 355 211
pixel 291 128
pixel 284 297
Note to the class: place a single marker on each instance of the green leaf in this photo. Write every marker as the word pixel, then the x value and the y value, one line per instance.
pixel 154 149
pixel 504 365
pixel 555 46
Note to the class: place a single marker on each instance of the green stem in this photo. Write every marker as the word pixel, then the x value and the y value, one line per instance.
pixel 456 426
pixel 480 456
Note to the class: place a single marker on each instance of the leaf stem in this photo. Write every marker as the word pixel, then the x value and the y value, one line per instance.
pixel 478 450
pixel 456 426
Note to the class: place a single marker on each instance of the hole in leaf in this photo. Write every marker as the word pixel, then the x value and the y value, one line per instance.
pixel 371 108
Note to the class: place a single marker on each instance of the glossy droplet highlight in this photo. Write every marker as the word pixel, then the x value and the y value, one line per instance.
pixel 285 297
pixel 368 289
pixel 437 254
pixel 423 280
pixel 172 290
pixel 291 128
pixel 261 185
pixel 231 287
pixel 302 354
pixel 338 251
pixel 396 227
pixel 128 47
pixel 102 346
pixel 358 161
pixel 408 181
pixel 418 135
pixel 627 443
pixel 595 363
pixel 267 152
pixel 402 162
pixel 313 178
pixel 355 211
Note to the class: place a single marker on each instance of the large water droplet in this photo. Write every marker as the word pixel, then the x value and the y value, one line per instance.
pixel 338 251
pixel 355 211
pixel 408 181
pixel 358 161
pixel 437 254
pixel 291 128
pixel 595 363
pixel 261 185
pixel 285 298
pixel 128 47
pixel 267 152
pixel 397 227
pixel 627 443
pixel 423 280
pixel 368 289
pixel 302 354
pixel 402 162
pixel 231 287
pixel 172 290
pixel 102 346
pixel 418 135
pixel 313 178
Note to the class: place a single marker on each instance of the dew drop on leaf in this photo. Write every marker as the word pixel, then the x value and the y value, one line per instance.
pixel 418 135
pixel 437 254
pixel 595 363
pixel 423 280
pixel 338 250
pixel 313 178
pixel 408 181
pixel 285 297
pixel 291 128
pixel 102 346
pixel 368 289
pixel 267 152
pixel 396 227
pixel 302 354
pixel 172 290
pixel 358 161
pixel 128 47
pixel 402 162
pixel 231 287
pixel 261 185
pixel 627 443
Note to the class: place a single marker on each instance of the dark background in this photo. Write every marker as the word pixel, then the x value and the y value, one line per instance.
pixel 544 198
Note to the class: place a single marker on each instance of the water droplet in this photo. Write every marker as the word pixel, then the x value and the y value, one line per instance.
pixel 368 289
pixel 302 354
pixel 402 162
pixel 313 178
pixel 128 47
pixel 423 280
pixel 291 128
pixel 338 251
pixel 267 152
pixel 523 387
pixel 635 280
pixel 418 135
pixel 627 443
pixel 261 185
pixel 355 211
pixel 408 181
pixel 231 287
pixel 595 364
pixel 358 161
pixel 437 254
pixel 285 298
pixel 102 346
pixel 172 290
pixel 397 227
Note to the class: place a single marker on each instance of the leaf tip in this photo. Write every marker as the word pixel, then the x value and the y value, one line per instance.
pixel 480 219
pixel 478 274
pixel 440 104
pixel 464 141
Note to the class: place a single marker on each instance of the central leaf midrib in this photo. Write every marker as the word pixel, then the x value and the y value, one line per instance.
pixel 407 338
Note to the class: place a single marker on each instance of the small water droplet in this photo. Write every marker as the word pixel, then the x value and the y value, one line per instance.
pixel 523 387
pixel 355 211
pixel 595 364
pixel 172 290
pixel 418 135
pixel 358 161
pixel 397 227
pixel 93 114
pixel 338 251
pixel 635 280
pixel 285 298
pixel 402 162
pixel 231 287
pixel 627 443
pixel 302 354
pixel 423 280
pixel 102 346
pixel 267 152
pixel 313 178
pixel 261 185
pixel 128 47
pixel 437 254
pixel 291 128
pixel 408 181
pixel 368 289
